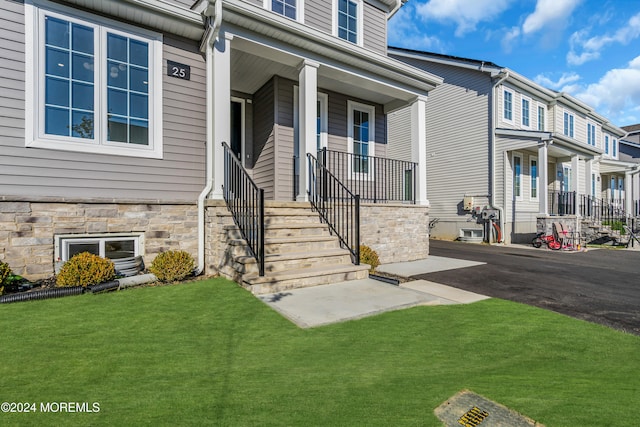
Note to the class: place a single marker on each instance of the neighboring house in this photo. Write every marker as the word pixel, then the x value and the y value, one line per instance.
pixel 503 148
pixel 630 152
pixel 114 113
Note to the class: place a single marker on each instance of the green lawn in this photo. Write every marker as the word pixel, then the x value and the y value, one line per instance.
pixel 210 353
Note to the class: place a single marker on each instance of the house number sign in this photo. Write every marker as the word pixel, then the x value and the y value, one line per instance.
pixel 177 70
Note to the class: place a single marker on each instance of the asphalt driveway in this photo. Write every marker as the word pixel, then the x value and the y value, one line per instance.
pixel 601 286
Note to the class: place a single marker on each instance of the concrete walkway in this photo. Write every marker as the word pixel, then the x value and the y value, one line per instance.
pixel 339 302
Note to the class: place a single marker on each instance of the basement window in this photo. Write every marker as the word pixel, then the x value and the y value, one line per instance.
pixel 107 246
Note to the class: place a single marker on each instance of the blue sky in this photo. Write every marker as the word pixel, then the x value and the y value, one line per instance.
pixel 587 48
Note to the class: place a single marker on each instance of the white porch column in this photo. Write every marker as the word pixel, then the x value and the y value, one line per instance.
pixel 543 178
pixel 307 131
pixel 575 168
pixel 419 147
pixel 628 193
pixel 221 122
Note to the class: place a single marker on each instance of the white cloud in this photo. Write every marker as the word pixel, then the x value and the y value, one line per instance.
pixel 615 93
pixel 590 48
pixel 403 32
pixel 510 38
pixel 548 13
pixel 465 14
pixel 563 84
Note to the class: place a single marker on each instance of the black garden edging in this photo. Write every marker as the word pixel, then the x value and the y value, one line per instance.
pixel 44 294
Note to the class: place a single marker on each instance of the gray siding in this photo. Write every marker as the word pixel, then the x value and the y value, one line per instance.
pixel 375 29
pixel 458 128
pixel 399 135
pixel 285 140
pixel 42 172
pixel 263 150
pixel 317 14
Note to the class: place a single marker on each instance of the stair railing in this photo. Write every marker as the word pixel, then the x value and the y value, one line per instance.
pixel 338 207
pixel 245 201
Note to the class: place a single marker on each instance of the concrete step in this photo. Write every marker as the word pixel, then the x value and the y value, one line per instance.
pixel 305 277
pixel 303 229
pixel 281 245
pixel 293 261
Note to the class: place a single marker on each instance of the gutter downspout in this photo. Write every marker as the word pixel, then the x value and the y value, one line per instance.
pixel 210 37
pixel 492 189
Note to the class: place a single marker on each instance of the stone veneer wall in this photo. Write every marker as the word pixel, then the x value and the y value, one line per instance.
pixel 397 232
pixel 27 229
pixel 217 251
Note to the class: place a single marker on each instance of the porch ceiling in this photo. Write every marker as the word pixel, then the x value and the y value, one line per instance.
pixel 253 64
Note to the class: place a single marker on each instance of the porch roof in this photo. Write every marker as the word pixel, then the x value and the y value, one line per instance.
pixel 560 145
pixel 278 45
pixel 616 166
pixel 161 15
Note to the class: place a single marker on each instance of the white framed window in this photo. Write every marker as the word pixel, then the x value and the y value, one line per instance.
pixel 526 112
pixel 361 137
pixel 593 185
pixel 614 148
pixel 517 176
pixel 111 246
pixel 533 174
pixel 606 145
pixel 568 124
pixel 507 106
pixel 566 178
pixel 93 85
pixel 292 9
pixel 612 187
pixel 541 118
pixel 591 134
pixel 348 18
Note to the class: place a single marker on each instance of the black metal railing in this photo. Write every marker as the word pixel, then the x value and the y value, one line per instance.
pixel 245 201
pixel 375 179
pixel 296 177
pixel 602 210
pixel 562 203
pixel 338 207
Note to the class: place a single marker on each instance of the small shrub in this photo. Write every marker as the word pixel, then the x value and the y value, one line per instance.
pixel 171 266
pixel 85 269
pixel 5 273
pixel 369 256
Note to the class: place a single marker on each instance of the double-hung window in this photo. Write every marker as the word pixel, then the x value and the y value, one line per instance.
pixel 507 106
pixel 349 16
pixel 526 103
pixel 591 134
pixel 288 8
pixel 568 124
pixel 361 136
pixel 541 118
pixel 533 173
pixel 93 85
pixel 614 148
pixel 517 177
